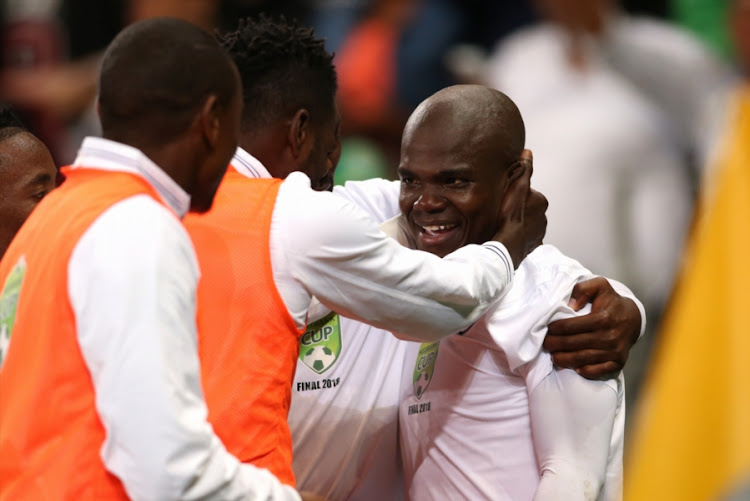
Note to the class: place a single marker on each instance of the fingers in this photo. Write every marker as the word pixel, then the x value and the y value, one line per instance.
pixel 606 370
pixel 610 341
pixel 595 321
pixel 585 291
pixel 535 220
pixel 511 218
pixel 569 343
pixel 527 158
pixel 514 201
pixel 577 360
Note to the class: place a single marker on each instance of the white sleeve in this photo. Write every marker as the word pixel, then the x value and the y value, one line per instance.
pixel 572 420
pixel 624 291
pixel 540 295
pixel 377 197
pixel 330 248
pixel 132 281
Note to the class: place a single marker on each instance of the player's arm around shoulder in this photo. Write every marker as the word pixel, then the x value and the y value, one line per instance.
pixel 377 197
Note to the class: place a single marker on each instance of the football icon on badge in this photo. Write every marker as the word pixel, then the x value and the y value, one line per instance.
pixel 319 358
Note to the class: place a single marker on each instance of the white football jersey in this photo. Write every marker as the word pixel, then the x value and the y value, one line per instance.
pixel 464 415
pixel 345 395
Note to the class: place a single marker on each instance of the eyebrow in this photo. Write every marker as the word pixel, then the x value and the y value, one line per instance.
pixel 403 171
pixel 464 171
pixel 40 179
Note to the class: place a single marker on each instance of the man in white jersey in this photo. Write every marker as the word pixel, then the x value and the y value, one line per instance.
pixel 344 412
pixel 485 414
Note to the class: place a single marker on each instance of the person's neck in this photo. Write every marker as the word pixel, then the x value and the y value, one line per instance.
pixel 268 147
pixel 176 159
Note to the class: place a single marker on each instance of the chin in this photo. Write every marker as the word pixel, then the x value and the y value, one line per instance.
pixel 439 250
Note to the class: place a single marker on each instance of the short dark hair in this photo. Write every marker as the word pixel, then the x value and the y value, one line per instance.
pixel 283 68
pixel 155 76
pixel 10 123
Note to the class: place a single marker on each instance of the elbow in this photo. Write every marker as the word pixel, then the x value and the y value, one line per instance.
pixel 436 330
pixel 571 481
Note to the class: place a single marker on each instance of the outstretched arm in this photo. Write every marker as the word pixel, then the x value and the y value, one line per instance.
pixel 597 344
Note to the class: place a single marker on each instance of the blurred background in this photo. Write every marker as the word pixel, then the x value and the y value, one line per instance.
pixel 637 114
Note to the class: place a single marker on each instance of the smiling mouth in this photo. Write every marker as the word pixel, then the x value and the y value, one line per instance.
pixel 437 229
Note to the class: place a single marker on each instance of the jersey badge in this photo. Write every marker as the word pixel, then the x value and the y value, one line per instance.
pixel 9 304
pixel 424 367
pixel 320 345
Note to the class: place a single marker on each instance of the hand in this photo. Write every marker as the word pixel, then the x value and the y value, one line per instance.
pixel 522 220
pixel 536 220
pixel 309 496
pixel 595 345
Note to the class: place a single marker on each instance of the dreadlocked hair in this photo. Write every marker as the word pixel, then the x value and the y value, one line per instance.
pixel 283 68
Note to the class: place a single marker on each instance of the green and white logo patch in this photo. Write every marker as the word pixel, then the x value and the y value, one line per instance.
pixel 9 304
pixel 424 367
pixel 320 345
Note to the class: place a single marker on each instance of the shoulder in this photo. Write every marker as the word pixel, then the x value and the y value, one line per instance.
pixel 674 45
pixel 133 232
pixel 319 217
pixel 541 286
pixel 378 197
pixel 367 188
pixel 518 323
pixel 547 266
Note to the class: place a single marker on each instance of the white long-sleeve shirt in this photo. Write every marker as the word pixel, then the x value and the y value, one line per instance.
pixel 484 415
pixel 132 282
pixel 324 246
pixel 344 415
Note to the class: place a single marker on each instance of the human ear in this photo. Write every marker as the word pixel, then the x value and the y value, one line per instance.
pixel 299 130
pixel 210 126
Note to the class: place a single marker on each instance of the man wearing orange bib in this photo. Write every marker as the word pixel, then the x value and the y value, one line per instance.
pixel 100 394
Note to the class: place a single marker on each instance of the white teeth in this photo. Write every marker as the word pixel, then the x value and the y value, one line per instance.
pixel 436 227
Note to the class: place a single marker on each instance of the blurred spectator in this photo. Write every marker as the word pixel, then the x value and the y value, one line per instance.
pixel 32 42
pixel 51 52
pixel 391 55
pixel 592 131
pixel 675 71
pixel 588 127
pixel 707 19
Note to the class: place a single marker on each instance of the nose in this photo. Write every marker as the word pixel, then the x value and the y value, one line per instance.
pixel 429 201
